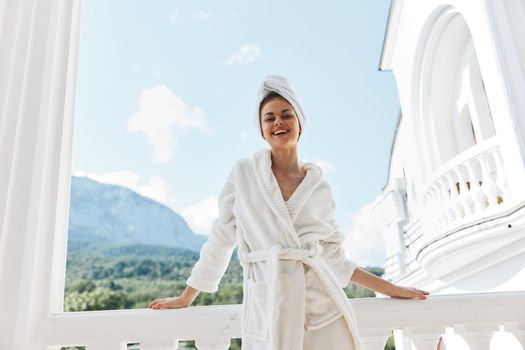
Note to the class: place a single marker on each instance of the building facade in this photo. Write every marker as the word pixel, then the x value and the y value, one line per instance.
pixel 453 208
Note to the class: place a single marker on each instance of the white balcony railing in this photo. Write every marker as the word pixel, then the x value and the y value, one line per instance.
pixel 469 186
pixel 468 318
pixel 468 213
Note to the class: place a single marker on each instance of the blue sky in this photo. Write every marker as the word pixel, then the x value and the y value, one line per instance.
pixel 166 95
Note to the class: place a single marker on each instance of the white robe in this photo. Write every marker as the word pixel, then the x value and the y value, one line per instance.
pixel 294 265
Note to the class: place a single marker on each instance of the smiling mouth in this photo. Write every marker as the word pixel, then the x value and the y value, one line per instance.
pixel 280 132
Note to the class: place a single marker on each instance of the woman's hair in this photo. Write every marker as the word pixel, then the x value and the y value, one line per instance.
pixel 267 99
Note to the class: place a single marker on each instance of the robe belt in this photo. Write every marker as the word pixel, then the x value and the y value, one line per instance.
pixel 276 251
pixel 309 256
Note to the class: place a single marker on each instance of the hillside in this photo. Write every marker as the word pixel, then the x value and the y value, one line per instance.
pixel 115 214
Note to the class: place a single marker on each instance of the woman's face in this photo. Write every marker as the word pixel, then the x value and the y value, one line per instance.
pixel 278 115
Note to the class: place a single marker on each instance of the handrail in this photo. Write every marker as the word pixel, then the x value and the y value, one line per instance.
pixel 459 159
pixel 376 318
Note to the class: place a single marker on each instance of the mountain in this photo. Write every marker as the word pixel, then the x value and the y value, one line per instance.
pixel 115 214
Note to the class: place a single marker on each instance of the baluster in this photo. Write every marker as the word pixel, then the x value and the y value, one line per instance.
pixel 518 330
pixel 504 340
pixel 488 186
pixel 444 200
pixel 426 215
pixel 480 199
pixel 477 337
pixel 401 341
pixel 459 209
pixel 520 336
pixel 448 207
pixel 464 193
pixel 477 340
pixel 162 344
pixel 501 178
pixel 438 206
pixel 374 343
pixel 217 343
pixel 433 219
pixel 452 340
pixel 426 339
pixel 454 207
pixel 106 345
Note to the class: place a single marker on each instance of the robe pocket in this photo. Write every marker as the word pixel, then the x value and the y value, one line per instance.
pixel 255 322
pixel 319 307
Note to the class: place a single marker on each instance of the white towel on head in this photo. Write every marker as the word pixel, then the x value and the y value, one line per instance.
pixel 280 85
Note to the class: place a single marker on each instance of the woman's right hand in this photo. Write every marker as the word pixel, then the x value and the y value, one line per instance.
pixel 169 303
pixel 185 300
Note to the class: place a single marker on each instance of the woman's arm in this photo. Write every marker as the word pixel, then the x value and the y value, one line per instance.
pixel 214 255
pixel 347 270
pixel 216 252
pixel 382 286
pixel 184 300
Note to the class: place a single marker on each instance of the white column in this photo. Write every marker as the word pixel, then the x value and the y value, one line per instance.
pixel 504 85
pixel 38 47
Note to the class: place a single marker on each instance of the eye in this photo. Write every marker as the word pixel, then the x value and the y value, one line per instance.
pixel 288 116
pixel 269 119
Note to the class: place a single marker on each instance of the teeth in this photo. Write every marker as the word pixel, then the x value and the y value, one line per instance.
pixel 279 132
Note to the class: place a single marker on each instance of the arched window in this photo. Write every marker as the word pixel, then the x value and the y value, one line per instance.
pixel 453 106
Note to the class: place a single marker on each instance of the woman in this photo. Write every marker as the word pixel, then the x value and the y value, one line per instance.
pixel 281 213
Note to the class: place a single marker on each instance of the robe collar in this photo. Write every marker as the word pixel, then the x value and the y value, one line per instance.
pixel 286 212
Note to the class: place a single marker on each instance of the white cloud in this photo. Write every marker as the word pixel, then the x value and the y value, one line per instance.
pixel 203 16
pixel 364 240
pixel 200 216
pixel 325 165
pixel 174 15
pixel 243 135
pixel 160 112
pixel 155 188
pixel 247 53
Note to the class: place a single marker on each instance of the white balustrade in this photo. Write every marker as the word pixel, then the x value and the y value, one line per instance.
pixel 459 319
pixel 471 185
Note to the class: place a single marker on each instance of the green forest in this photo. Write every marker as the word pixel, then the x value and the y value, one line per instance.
pixel 102 276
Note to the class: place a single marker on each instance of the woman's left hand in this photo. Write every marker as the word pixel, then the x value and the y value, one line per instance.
pixel 409 293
